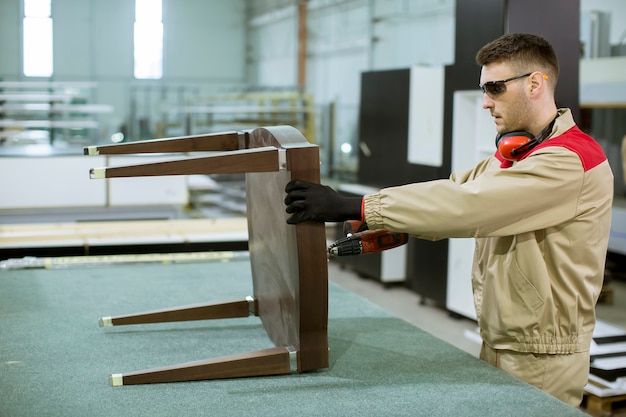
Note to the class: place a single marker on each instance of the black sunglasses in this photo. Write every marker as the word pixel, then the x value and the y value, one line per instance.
pixel 495 88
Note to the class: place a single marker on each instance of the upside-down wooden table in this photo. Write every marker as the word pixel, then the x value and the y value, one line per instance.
pixel 288 262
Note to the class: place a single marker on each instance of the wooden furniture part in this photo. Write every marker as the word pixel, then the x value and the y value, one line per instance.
pixel 288 262
pixel 601 406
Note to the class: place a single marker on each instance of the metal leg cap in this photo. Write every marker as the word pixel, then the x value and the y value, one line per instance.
pixel 105 322
pixel 116 380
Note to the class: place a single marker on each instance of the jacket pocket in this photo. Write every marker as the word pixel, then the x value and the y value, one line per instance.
pixel 525 294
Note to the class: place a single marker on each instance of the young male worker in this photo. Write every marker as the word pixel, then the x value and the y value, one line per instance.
pixel 539 212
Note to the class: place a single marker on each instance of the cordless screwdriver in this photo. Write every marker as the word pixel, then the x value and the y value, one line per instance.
pixel 360 240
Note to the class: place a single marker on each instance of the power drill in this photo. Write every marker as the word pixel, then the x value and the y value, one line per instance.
pixel 360 240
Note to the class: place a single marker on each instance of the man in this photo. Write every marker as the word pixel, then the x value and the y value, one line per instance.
pixel 539 209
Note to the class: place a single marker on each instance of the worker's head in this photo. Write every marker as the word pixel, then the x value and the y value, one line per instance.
pixel 518 77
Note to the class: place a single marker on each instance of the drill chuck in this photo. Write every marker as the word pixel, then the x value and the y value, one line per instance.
pixel 350 245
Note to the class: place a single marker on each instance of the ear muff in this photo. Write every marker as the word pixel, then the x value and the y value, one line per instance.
pixel 513 145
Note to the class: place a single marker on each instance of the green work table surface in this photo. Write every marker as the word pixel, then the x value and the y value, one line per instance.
pixel 55 360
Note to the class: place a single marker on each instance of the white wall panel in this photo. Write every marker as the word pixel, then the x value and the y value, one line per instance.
pixel 205 39
pixel 112 38
pixel 617 10
pixel 10 36
pixel 273 48
pixel 410 33
pixel 425 142
pixel 72 48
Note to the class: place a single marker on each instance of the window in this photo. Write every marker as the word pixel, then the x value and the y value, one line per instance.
pixel 148 39
pixel 37 40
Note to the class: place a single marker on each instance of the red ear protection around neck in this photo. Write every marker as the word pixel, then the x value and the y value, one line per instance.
pixel 513 145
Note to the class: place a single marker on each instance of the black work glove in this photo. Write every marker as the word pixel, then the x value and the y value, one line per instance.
pixel 316 202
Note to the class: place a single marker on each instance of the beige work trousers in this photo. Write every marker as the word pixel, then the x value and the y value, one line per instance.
pixel 562 376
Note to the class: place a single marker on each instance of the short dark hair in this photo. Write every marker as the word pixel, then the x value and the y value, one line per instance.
pixel 523 51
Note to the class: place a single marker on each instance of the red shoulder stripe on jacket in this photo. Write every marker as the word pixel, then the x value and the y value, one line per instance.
pixel 588 150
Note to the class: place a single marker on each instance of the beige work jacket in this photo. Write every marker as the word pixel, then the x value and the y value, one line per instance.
pixel 541 227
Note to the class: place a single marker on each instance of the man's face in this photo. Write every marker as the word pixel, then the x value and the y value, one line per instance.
pixel 511 109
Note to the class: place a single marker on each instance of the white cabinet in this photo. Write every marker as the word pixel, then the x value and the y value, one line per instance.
pixel 50 182
pixel 62 181
pixel 473 139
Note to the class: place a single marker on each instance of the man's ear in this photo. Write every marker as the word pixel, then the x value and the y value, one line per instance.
pixel 537 81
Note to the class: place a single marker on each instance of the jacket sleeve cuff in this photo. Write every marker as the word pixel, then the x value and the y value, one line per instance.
pixel 371 211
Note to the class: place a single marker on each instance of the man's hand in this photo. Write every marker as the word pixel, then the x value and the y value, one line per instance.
pixel 308 201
